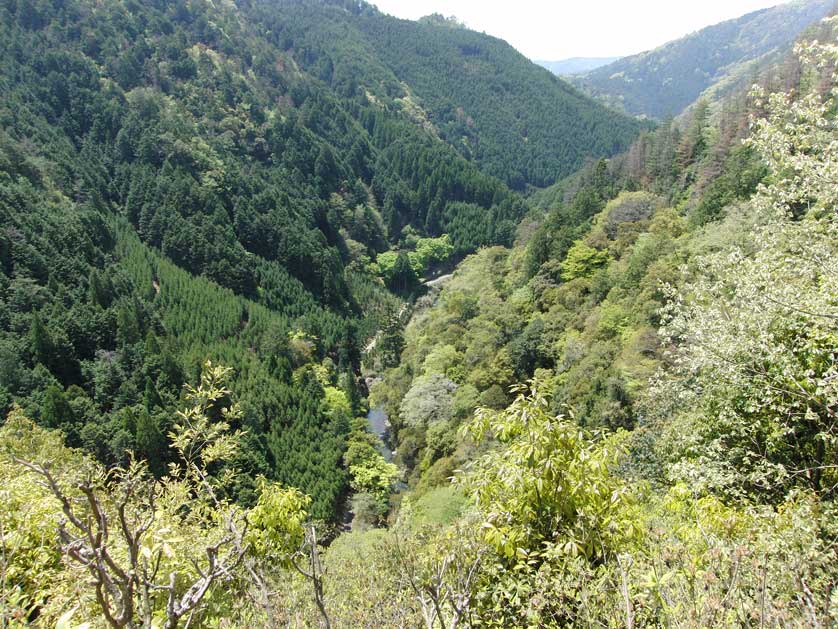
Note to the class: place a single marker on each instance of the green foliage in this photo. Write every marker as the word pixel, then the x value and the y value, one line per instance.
pixel 364 584
pixel 430 251
pixel 442 505
pixel 151 443
pixel 581 261
pixel 429 401
pixel 374 476
pixel 756 331
pixel 663 82
pixel 386 262
pixel 718 508
pixel 275 523
pixel 743 171
pixel 32 580
pixel 104 359
pixel 193 181
pixel 402 270
pixel 167 548
pixel 548 484
pixel 152 154
pixel 403 278
pixel 525 128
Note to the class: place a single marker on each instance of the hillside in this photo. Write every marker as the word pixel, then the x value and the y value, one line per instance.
pixel 640 308
pixel 194 180
pixel 495 107
pixel 660 83
pixel 575 65
pixel 277 351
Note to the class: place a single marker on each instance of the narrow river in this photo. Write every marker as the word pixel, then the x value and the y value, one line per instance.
pixel 378 424
pixel 377 419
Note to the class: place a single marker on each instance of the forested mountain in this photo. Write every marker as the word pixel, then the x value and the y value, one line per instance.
pixel 191 180
pixel 618 410
pixel 516 121
pixel 659 309
pixel 576 65
pixel 663 82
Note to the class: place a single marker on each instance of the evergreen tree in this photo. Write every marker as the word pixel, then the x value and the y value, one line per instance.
pixel 151 399
pixel 349 354
pixel 326 170
pixel 403 278
pixel 98 292
pixel 151 443
pixel 40 342
pixel 5 255
pixel 56 411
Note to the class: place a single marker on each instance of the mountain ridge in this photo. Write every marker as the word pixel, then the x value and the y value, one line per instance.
pixel 664 81
pixel 488 101
pixel 575 65
pixel 619 409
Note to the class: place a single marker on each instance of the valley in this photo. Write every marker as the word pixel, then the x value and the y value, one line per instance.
pixel 311 316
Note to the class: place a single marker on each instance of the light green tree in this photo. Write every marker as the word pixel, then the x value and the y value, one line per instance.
pixel 755 332
pixel 548 485
pixel 155 551
pixel 582 260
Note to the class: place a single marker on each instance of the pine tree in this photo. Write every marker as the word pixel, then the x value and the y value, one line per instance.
pixel 151 399
pixel 127 326
pixel 326 170
pixel 40 342
pixel 349 354
pixel 97 292
pixel 151 443
pixel 403 278
pixel 5 255
pixel 56 411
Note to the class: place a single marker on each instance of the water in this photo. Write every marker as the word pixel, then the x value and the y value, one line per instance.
pixel 379 426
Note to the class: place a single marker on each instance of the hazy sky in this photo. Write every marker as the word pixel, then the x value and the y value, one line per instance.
pixel 557 29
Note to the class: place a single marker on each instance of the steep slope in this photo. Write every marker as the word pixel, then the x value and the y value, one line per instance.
pixel 590 495
pixel 296 96
pixel 517 121
pixel 579 295
pixel 512 118
pixel 225 188
pixel 575 65
pixel 665 305
pixel 208 118
pixel 131 131
pixel 662 82
pixel 98 334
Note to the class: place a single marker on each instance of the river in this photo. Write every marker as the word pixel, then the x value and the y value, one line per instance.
pixel 379 426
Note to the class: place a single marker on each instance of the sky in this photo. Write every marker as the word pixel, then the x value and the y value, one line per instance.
pixel 558 29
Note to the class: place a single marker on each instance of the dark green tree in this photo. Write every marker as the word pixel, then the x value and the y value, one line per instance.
pixel 56 411
pixel 151 443
pixel 403 279
pixel 40 342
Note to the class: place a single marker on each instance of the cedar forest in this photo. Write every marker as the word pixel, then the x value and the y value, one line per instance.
pixel 233 232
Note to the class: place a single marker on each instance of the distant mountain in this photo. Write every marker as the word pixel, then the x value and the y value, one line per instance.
pixel 664 81
pixel 575 65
